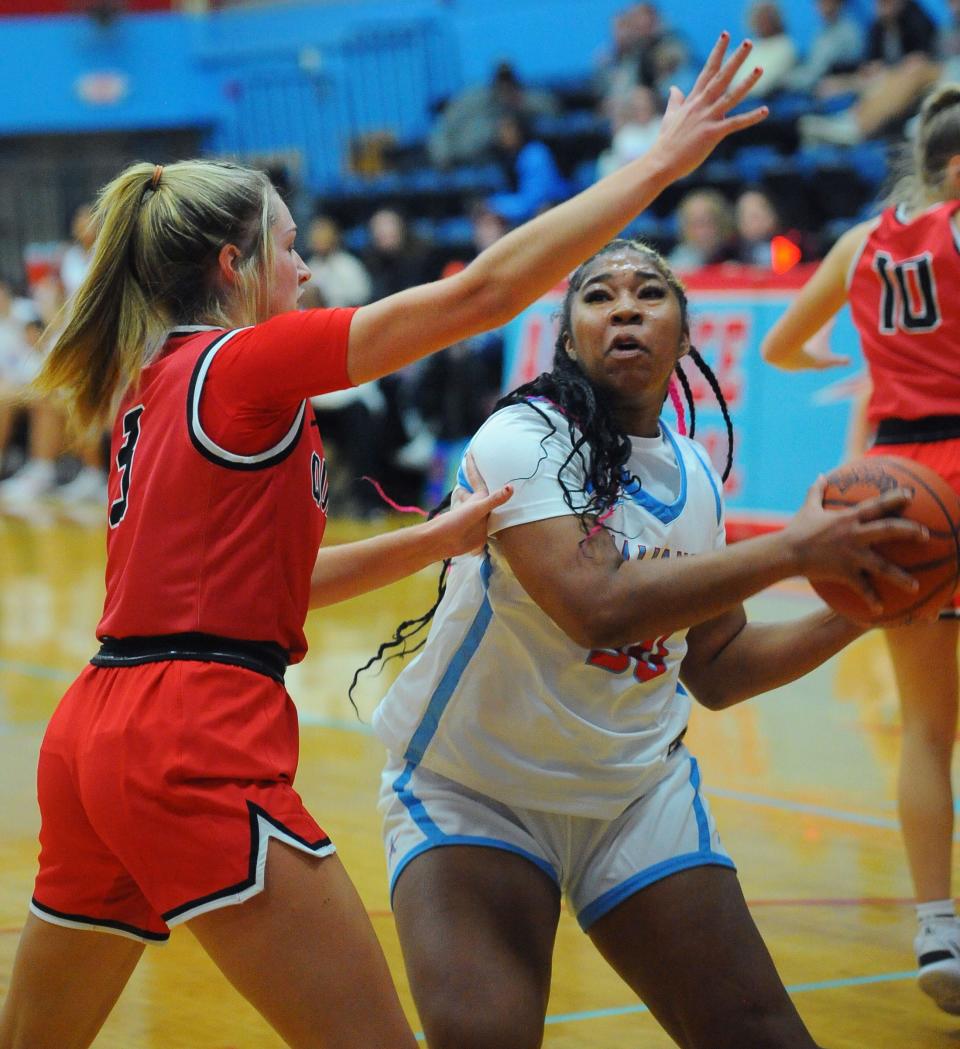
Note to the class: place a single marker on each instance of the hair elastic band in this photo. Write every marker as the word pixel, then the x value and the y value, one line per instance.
pixel 155 181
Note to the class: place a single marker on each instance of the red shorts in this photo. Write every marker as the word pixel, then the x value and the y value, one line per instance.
pixel 943 457
pixel 160 787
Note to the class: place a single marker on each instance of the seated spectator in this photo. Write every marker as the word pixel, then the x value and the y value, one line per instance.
pixel 532 174
pixel 466 129
pixel 758 222
pixel 773 49
pixel 395 258
pixel 837 48
pixel 487 226
pixel 637 55
pixel 899 68
pixel 76 258
pixel 707 231
pixel 37 476
pixel 636 123
pixel 340 276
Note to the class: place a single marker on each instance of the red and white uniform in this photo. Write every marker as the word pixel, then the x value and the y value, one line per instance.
pixel 161 782
pixel 900 289
pixel 217 504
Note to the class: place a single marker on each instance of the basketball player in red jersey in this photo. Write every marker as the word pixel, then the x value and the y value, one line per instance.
pixel 168 768
pixel 899 272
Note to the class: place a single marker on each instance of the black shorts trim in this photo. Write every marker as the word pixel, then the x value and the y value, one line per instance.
pixel 263 657
pixel 918 431
pixel 102 923
pixel 256 815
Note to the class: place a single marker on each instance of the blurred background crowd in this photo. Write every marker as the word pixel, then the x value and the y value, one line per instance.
pixel 405 208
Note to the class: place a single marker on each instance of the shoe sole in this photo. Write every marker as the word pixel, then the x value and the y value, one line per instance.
pixel 943 986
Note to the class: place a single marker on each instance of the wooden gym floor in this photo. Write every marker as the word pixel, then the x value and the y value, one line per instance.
pixel 801 781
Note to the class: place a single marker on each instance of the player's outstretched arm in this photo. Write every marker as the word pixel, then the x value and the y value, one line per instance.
pixel 533 258
pixel 351 569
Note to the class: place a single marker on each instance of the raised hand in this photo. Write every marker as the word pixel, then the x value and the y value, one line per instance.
pixel 692 126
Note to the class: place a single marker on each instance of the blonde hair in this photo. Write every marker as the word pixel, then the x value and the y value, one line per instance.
pixel 921 169
pixel 154 265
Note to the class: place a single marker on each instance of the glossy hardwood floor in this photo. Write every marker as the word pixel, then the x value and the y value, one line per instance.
pixel 801 780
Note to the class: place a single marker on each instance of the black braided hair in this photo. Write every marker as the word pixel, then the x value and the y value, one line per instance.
pixel 714 383
pixel 599 443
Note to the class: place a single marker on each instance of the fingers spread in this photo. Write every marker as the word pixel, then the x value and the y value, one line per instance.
pixel 713 63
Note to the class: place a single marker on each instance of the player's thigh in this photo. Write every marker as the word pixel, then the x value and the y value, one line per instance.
pixel 82 972
pixel 304 953
pixel 477 926
pixel 688 946
pixel 924 657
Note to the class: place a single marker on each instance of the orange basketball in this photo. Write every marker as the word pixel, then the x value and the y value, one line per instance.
pixel 935 564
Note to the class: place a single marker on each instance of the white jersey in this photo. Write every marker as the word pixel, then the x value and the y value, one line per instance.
pixel 500 699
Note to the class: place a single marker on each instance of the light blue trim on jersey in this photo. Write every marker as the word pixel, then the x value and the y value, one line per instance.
pixel 703 857
pixel 462 476
pixel 436 838
pixel 427 728
pixel 667 513
pixel 707 469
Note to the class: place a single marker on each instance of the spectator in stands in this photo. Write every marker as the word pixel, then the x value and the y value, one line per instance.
pixel 534 180
pixel 636 124
pixel 637 54
pixel 465 131
pixel 773 49
pixel 757 222
pixel 707 231
pixel 487 225
pixel 395 257
pixel 76 258
pixel 44 420
pixel 340 276
pixel 900 66
pixel 837 48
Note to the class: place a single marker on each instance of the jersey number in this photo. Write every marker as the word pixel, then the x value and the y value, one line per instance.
pixel 648 659
pixel 131 434
pixel 908 299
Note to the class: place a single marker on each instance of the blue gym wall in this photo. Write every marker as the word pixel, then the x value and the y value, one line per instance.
pixel 305 76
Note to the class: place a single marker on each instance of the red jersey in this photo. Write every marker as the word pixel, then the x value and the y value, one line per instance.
pixel 218 486
pixel 899 287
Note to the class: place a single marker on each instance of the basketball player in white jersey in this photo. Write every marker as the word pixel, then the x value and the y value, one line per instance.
pixel 535 743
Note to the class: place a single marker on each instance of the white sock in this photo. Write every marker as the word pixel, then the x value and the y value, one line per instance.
pixel 936 911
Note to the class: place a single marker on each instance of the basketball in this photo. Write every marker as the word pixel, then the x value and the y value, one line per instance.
pixel 935 564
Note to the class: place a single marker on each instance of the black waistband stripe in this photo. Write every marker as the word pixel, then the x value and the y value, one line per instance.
pixel 264 657
pixel 918 431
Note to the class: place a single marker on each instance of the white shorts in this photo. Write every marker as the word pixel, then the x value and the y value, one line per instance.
pixel 596 864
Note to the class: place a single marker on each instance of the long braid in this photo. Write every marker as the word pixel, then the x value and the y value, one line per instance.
pixel 409 628
pixel 688 396
pixel 707 373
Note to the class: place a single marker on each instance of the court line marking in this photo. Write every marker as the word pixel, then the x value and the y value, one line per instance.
pixel 797 988
pixel 804 807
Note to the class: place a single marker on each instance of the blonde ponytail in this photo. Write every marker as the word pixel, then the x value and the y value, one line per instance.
pixel 921 169
pixel 160 231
